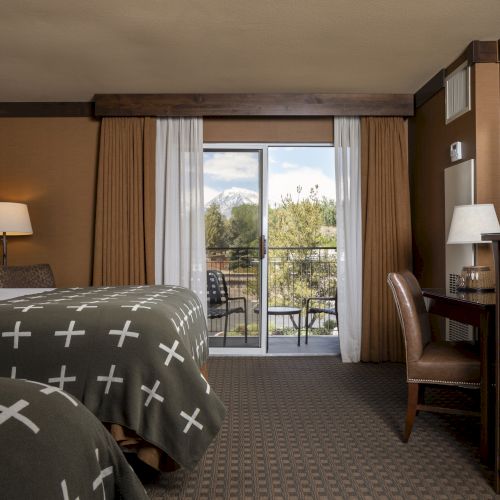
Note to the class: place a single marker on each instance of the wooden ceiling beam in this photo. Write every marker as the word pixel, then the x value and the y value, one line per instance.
pixel 321 104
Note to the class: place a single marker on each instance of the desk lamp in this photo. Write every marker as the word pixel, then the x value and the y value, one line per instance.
pixel 14 221
pixel 467 224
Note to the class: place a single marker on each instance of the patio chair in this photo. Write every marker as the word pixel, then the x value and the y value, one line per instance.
pixel 328 305
pixel 218 301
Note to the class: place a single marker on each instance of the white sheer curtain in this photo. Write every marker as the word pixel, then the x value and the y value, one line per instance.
pixel 180 226
pixel 349 258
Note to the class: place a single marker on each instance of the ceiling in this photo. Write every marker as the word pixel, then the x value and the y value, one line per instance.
pixel 69 50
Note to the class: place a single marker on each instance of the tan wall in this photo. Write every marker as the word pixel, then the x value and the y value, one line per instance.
pixel 50 164
pixel 305 130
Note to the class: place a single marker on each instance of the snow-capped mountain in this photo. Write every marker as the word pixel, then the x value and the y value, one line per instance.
pixel 233 197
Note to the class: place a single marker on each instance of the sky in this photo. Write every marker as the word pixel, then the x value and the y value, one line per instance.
pixel 289 167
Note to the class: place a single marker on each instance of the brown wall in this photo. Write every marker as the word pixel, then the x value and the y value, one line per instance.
pixel 305 130
pixel 429 156
pixel 479 132
pixel 50 164
pixel 488 143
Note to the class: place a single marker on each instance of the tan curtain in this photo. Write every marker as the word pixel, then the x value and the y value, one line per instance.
pixel 385 199
pixel 125 206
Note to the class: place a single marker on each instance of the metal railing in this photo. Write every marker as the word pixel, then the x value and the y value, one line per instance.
pixel 294 275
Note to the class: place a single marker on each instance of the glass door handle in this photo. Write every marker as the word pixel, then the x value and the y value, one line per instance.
pixel 262 247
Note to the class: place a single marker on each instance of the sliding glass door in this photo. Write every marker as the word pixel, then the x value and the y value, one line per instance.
pixel 270 221
pixel 235 245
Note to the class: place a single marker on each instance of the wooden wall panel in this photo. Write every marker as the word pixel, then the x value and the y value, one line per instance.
pixel 280 130
pixel 50 164
pixel 487 143
pixel 429 156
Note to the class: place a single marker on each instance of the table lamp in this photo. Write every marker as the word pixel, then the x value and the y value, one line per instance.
pixel 467 224
pixel 14 221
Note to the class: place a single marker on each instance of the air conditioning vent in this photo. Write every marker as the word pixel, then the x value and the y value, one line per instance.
pixel 458 93
pixel 452 282
pixel 458 332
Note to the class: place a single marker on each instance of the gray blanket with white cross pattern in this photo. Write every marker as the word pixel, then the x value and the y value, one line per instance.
pixel 130 354
pixel 54 448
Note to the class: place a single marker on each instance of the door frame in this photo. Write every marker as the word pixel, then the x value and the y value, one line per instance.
pixel 263 147
pixel 263 218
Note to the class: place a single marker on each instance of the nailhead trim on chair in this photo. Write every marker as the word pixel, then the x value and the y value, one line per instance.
pixel 446 382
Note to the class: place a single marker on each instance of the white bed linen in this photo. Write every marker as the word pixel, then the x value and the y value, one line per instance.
pixel 12 293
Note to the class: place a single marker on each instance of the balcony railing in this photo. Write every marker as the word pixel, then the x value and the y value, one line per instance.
pixel 294 275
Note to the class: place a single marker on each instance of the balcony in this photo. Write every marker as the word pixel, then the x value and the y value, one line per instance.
pixel 294 275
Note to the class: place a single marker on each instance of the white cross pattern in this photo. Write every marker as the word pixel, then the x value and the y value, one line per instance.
pixel 8 412
pixel 62 379
pixel 191 420
pixel 28 308
pixel 135 307
pixel 181 324
pixel 124 333
pixel 16 334
pixel 149 301
pixel 152 393
pixel 65 491
pixel 185 317
pixel 82 307
pixel 198 348
pixel 110 379
pixel 103 474
pixel 68 333
pixel 171 352
pixel 206 382
pixel 13 372
pixel 50 389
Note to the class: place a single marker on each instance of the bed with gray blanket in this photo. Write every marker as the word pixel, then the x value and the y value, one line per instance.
pixel 131 355
pixel 54 448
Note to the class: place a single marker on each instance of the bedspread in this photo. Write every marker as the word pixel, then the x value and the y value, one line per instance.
pixel 130 354
pixel 54 448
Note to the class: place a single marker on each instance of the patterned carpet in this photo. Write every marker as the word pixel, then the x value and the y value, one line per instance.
pixel 314 428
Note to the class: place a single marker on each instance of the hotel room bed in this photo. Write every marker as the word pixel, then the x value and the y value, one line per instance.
pixel 132 355
pixel 53 447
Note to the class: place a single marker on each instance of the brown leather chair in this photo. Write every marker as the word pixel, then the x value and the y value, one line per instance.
pixel 427 361
pixel 35 276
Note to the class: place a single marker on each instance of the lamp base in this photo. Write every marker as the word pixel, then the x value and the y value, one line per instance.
pixel 476 279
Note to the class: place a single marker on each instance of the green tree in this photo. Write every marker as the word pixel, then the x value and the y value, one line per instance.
pixel 244 235
pixel 329 209
pixel 216 231
pixel 296 270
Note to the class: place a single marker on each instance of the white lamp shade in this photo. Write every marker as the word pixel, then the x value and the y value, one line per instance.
pixel 14 219
pixel 470 221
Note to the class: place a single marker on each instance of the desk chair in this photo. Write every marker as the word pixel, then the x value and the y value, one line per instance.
pixel 218 296
pixel 428 362
pixel 34 276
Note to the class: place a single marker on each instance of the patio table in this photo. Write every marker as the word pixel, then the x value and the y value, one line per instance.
pixel 285 311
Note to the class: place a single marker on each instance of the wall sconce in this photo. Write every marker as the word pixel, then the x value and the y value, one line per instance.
pixel 14 221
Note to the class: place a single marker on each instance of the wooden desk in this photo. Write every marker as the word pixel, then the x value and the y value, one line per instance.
pixel 477 309
pixel 495 239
